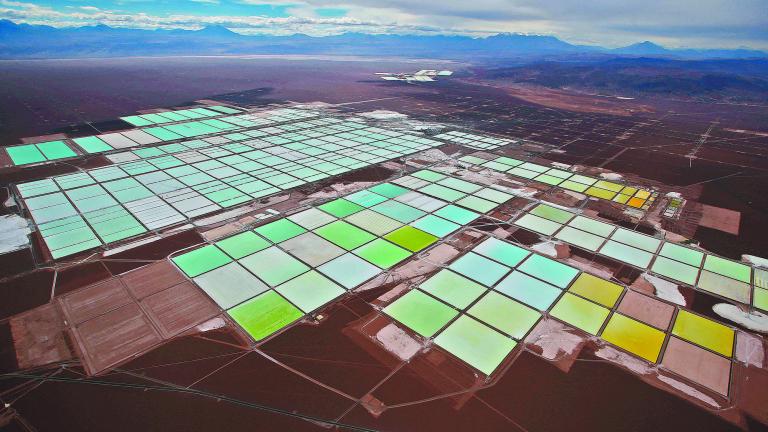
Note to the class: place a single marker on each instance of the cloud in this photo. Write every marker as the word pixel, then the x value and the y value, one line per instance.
pixel 34 14
pixel 271 2
pixel 608 22
pixel 692 23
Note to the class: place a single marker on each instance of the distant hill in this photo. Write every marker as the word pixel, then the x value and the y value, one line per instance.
pixel 648 49
pixel 644 49
pixel 717 79
pixel 35 41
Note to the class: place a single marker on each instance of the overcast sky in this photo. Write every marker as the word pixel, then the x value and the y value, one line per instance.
pixel 610 23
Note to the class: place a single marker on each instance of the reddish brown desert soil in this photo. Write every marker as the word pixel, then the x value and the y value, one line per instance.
pixel 568 100
pixel 720 219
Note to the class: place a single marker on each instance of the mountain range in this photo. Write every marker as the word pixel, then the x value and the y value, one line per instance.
pixel 38 41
